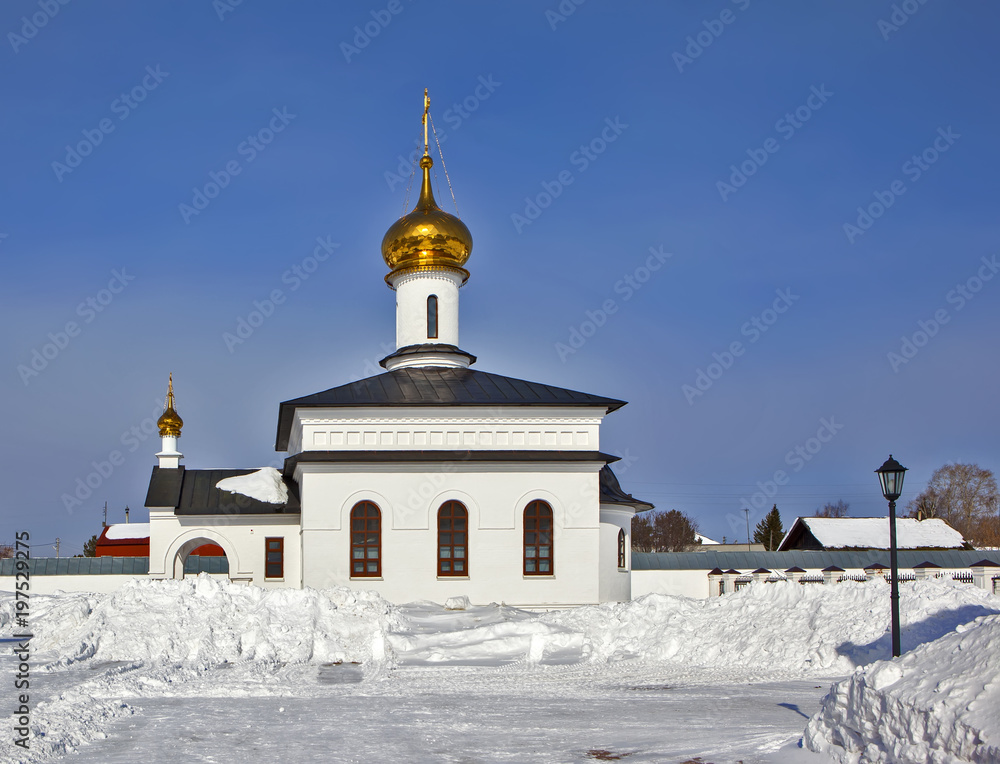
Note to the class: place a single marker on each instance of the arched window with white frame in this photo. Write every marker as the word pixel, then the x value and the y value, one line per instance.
pixel 539 556
pixel 453 539
pixel 366 540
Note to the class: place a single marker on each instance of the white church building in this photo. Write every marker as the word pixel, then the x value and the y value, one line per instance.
pixel 429 481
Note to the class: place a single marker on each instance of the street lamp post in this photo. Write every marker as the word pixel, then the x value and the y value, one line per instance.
pixel 890 476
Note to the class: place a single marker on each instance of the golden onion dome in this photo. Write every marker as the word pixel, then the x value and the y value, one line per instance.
pixel 170 422
pixel 428 237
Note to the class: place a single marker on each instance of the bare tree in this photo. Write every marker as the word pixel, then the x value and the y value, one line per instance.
pixel 642 533
pixel 671 531
pixel 964 495
pixel 924 506
pixel 833 510
pixel 6 550
pixel 988 533
pixel 674 531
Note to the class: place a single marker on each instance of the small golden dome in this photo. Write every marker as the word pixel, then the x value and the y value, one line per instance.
pixel 170 423
pixel 428 237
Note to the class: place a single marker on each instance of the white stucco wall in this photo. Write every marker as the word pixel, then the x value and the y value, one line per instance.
pixel 448 428
pixel 695 583
pixel 412 291
pixel 99 584
pixel 615 582
pixel 495 495
pixel 242 537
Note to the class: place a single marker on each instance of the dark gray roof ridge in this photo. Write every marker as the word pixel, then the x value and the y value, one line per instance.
pixel 427 347
pixel 612 493
pixel 432 456
pixel 194 492
pixel 437 386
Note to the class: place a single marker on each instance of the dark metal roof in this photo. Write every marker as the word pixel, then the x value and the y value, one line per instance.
pixel 441 455
pixel 193 492
pixel 612 493
pixel 807 559
pixel 436 386
pixel 165 487
pixel 428 347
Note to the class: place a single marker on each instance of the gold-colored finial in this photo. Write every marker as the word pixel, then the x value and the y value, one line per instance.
pixel 170 423
pixel 427 108
pixel 428 237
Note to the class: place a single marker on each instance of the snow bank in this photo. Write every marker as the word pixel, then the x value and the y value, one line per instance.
pixel 481 636
pixel 765 630
pixel 263 485
pixel 781 627
pixel 63 725
pixel 775 629
pixel 939 703
pixel 206 621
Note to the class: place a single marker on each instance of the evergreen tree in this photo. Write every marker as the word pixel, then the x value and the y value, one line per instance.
pixel 769 531
pixel 90 548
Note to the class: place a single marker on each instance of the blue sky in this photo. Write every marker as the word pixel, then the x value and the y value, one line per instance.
pixel 743 159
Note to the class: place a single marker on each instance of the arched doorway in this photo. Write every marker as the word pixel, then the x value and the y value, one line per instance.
pixel 201 555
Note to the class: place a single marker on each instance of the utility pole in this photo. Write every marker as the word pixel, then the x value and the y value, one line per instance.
pixel 57 548
pixel 748 528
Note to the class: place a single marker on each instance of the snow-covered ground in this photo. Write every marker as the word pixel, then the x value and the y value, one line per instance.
pixel 203 670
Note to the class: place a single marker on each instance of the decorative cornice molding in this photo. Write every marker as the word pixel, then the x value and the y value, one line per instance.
pixel 447 422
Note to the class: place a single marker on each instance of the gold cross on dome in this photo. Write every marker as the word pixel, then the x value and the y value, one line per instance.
pixel 427 108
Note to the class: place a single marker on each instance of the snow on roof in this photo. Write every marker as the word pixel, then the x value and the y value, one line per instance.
pixel 122 531
pixel 873 533
pixel 263 485
pixel 704 539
